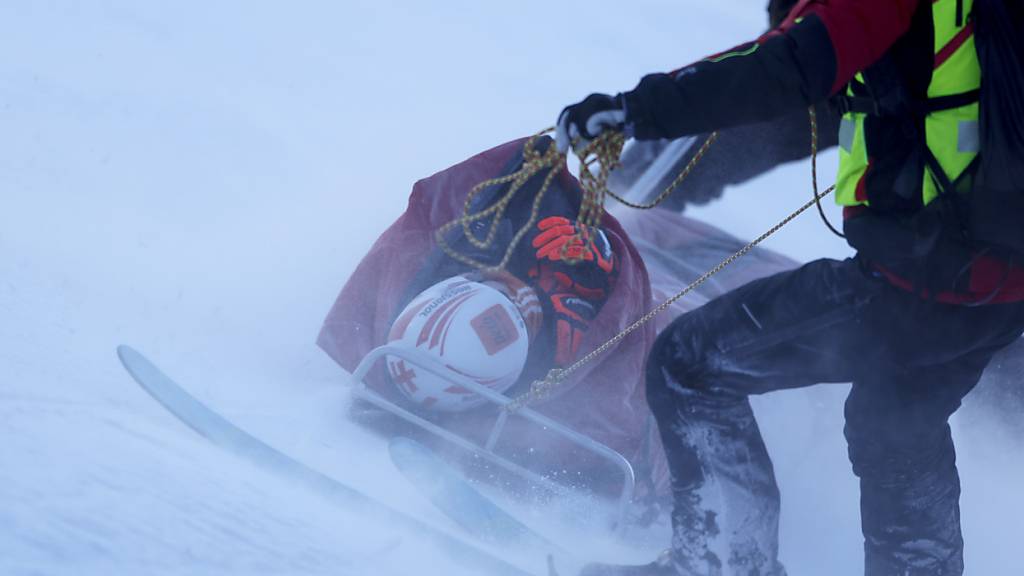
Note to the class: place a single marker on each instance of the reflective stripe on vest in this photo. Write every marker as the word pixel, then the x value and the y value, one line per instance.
pixel 951 135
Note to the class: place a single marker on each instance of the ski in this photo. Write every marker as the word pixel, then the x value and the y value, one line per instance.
pixel 455 496
pixel 233 439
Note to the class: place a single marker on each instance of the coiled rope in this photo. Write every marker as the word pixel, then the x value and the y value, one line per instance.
pixel 604 152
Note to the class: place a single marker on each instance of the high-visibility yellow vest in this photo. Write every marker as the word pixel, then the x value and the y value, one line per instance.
pixel 951 134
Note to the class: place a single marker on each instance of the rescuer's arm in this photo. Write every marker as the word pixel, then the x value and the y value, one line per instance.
pixel 810 56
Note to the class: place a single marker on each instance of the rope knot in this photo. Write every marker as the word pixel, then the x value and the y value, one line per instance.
pixel 539 389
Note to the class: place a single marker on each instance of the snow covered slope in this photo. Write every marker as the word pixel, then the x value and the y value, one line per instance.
pixel 197 179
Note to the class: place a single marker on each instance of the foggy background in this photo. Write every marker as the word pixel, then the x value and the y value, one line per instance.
pixel 198 179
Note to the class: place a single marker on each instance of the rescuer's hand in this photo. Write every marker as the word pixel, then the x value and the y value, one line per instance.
pixel 582 122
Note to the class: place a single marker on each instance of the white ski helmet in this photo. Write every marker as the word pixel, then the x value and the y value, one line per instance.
pixel 470 328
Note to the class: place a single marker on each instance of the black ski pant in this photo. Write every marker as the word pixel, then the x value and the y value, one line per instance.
pixel 911 361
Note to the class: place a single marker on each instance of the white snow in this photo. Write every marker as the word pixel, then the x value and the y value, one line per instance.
pixel 197 179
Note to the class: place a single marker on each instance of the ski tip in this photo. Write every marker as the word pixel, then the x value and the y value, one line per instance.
pixel 133 361
pixel 125 351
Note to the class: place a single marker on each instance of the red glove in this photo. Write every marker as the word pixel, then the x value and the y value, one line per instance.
pixel 575 275
pixel 561 239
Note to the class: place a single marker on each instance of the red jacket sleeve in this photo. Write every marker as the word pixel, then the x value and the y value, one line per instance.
pixel 810 56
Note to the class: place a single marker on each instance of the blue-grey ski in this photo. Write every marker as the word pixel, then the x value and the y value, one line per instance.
pixel 226 435
pixel 451 493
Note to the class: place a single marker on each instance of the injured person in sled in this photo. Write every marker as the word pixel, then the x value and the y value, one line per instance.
pixel 565 290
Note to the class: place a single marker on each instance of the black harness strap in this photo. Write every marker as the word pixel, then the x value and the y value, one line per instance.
pixel 870 105
pixel 950 102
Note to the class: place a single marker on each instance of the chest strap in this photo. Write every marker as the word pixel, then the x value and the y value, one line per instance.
pixel 846 103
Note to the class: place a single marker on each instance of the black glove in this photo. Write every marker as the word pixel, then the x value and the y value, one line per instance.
pixel 588 119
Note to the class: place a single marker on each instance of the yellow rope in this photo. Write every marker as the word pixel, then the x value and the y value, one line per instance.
pixel 675 183
pixel 605 152
pixel 534 163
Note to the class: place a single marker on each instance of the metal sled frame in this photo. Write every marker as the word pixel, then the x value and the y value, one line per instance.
pixel 487 450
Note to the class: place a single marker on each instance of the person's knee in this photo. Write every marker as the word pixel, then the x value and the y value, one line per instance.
pixel 892 444
pixel 675 364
